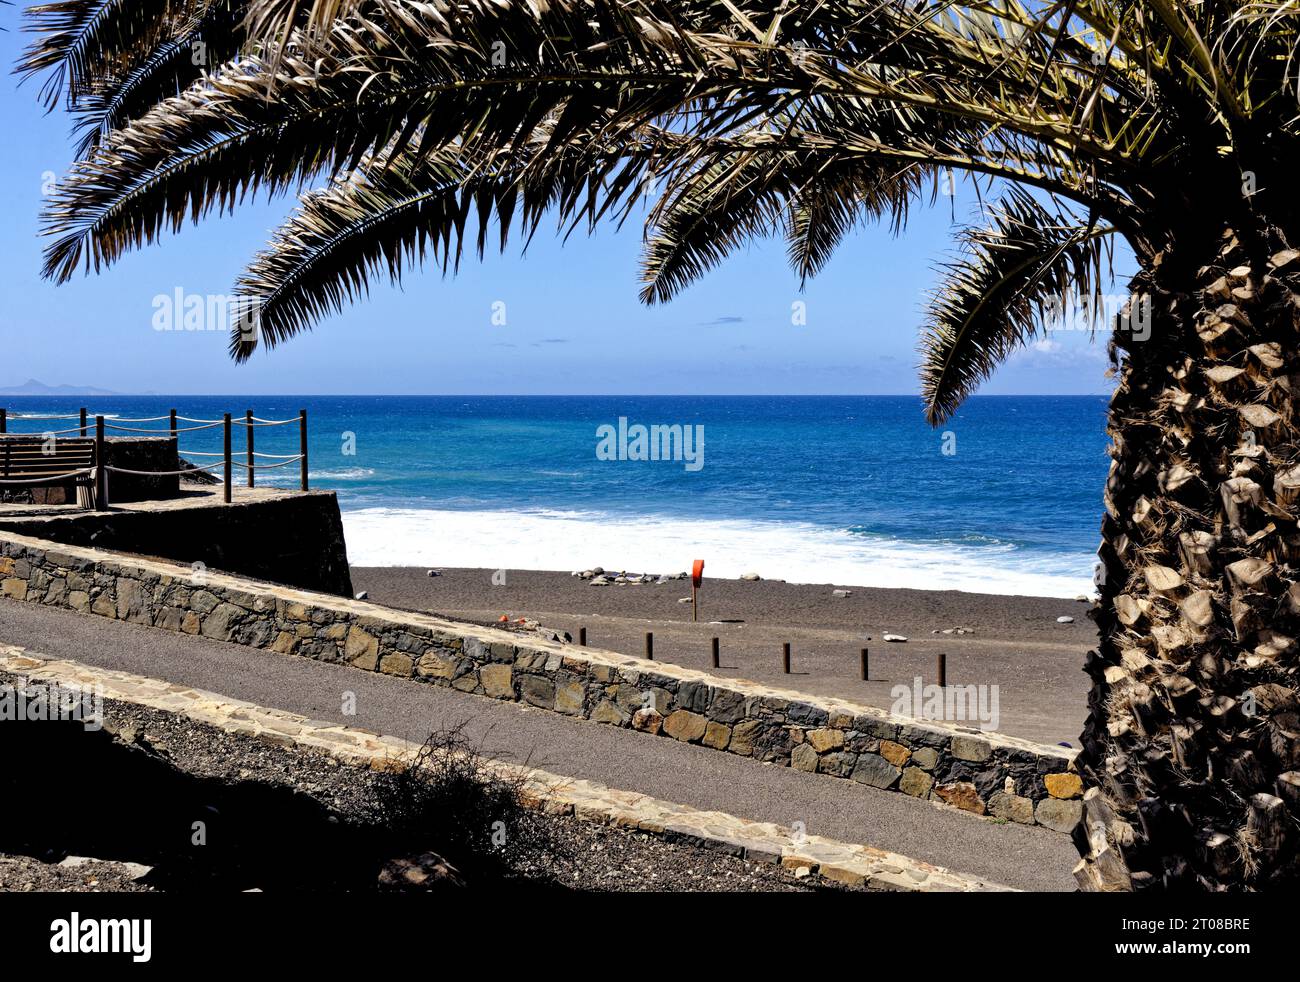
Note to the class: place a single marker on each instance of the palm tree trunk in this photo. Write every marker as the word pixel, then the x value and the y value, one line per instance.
pixel 1192 745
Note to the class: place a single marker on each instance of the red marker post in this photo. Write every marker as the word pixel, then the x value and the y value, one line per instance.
pixel 697 580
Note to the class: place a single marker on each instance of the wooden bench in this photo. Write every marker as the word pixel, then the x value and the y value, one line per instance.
pixel 35 462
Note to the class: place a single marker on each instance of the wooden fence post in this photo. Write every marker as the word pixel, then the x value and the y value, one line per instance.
pixel 248 421
pixel 225 429
pixel 302 444
pixel 101 467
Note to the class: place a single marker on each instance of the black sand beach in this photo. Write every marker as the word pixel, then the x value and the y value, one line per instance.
pixel 1016 643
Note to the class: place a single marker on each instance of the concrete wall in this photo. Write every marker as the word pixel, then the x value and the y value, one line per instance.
pixel 1011 779
pixel 295 539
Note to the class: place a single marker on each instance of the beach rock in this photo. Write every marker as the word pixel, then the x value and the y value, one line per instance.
pixel 750 576
pixel 841 593
pixel 363 595
pixel 685 600
pixel 1065 620
pixel 1082 599
pixel 893 637
pixel 596 570
pixel 600 581
pixel 431 572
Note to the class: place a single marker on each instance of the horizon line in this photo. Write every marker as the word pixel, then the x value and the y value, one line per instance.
pixel 549 395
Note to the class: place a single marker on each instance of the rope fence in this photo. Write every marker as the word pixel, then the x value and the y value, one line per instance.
pixel 102 423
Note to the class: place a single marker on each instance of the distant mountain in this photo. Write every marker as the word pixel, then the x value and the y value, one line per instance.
pixel 34 388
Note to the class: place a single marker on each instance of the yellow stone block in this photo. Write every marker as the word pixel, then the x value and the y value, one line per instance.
pixel 1063 785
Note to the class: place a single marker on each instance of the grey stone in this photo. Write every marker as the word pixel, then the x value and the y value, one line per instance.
pixel 973 749
pixel 202 602
pixel 874 770
pixel 220 623
pixel 743 736
pixel 803 758
pixel 807 715
pixel 537 691
pixel 915 782
pixel 922 736
pixel 726 706
pixel 693 696
pixel 837 763
pixel 925 758
pixel 1011 807
pixel 1058 815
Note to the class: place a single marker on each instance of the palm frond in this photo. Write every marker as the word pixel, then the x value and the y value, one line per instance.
pixel 211 38
pixel 401 208
pixel 996 294
pixel 82 42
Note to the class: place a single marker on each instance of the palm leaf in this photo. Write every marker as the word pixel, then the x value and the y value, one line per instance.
pixel 995 295
pixel 166 70
pixel 82 42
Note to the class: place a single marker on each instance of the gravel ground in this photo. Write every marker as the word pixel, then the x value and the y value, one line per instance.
pixel 576 855
pixel 27 874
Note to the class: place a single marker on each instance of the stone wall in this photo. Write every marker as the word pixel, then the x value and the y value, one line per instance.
pixel 987 774
pixel 295 539
pixel 137 453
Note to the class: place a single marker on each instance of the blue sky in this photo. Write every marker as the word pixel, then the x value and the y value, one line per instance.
pixel 573 321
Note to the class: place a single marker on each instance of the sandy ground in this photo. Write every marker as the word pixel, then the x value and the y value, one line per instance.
pixel 1017 643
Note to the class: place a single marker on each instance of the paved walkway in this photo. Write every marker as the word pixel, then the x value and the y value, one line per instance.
pixel 1018 856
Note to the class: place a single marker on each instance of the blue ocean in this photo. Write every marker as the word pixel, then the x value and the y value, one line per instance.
pixel 857 490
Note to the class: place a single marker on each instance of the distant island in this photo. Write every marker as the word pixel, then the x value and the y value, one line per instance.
pixel 34 388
